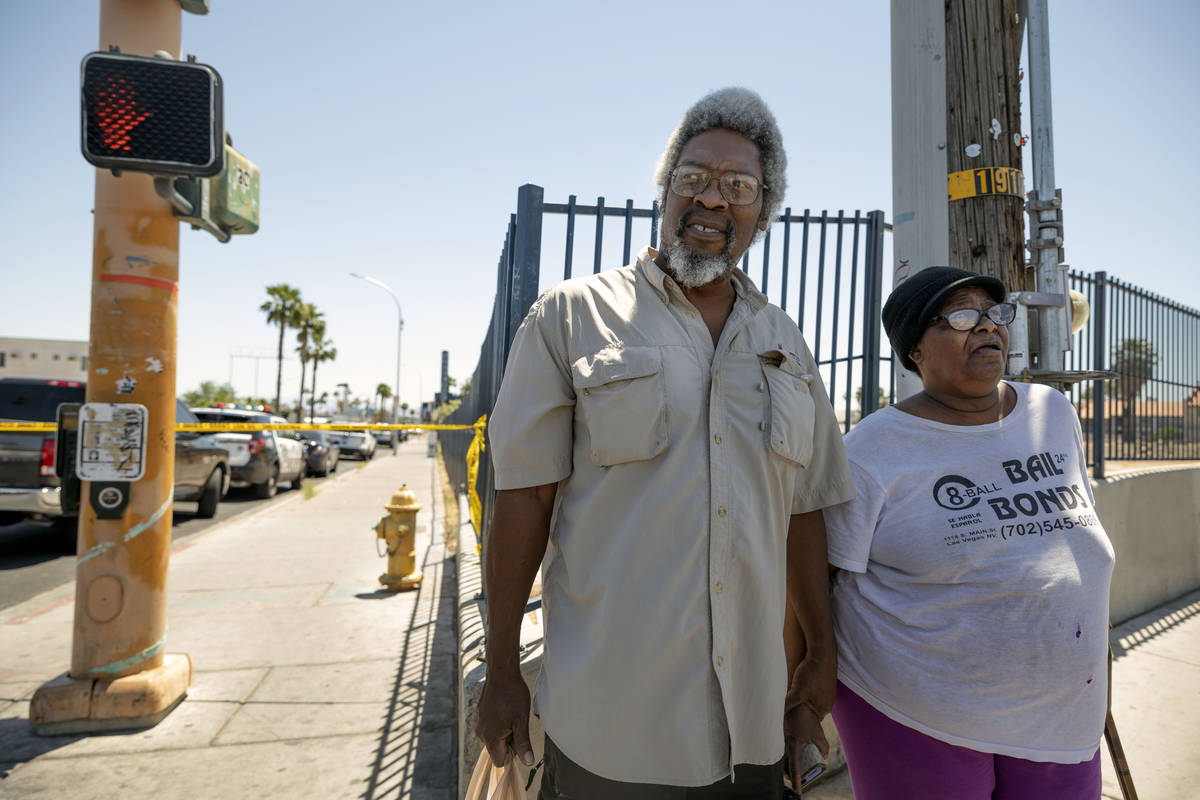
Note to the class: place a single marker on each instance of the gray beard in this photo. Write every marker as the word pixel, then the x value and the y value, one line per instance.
pixel 694 270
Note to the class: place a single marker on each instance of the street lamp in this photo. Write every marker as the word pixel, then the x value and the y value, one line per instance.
pixel 399 332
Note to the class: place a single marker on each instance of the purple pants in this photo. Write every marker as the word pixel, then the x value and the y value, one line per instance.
pixel 890 761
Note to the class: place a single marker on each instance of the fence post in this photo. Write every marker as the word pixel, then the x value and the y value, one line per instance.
pixel 872 302
pixel 1099 419
pixel 504 300
pixel 527 259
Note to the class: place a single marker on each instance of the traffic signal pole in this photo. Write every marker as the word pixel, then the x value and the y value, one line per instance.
pixel 120 675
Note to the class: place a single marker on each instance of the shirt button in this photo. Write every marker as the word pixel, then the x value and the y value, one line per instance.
pixel 758 386
pixel 587 391
pixel 721 511
pixel 720 661
pixel 717 438
pixel 762 426
pixel 719 588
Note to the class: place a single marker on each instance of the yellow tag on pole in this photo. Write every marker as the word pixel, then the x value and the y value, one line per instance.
pixel 985 181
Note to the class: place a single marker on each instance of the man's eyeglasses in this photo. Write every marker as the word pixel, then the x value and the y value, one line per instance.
pixel 737 188
pixel 964 319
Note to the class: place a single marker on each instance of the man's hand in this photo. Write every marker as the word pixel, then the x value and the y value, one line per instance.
pixel 809 698
pixel 800 726
pixel 504 719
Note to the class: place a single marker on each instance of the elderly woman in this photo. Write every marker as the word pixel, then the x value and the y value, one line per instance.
pixel 971 598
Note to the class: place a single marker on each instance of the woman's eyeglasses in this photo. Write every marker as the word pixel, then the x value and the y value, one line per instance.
pixel 964 319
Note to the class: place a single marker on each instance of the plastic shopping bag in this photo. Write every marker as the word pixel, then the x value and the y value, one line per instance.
pixel 489 782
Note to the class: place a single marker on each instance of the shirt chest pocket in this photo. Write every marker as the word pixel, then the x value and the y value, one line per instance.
pixel 621 398
pixel 790 413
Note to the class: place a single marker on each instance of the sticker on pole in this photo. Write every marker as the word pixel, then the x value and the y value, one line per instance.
pixel 112 442
pixel 985 181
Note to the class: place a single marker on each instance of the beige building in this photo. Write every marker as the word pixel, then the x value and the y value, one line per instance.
pixel 43 358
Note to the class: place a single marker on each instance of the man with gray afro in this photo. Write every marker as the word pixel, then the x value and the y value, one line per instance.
pixel 663 446
pixel 742 111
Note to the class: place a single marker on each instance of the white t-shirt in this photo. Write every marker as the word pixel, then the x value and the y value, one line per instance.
pixel 972 604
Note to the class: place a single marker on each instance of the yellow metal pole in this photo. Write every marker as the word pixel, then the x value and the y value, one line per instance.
pixel 120 676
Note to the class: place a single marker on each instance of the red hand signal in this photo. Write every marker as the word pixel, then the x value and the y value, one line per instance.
pixel 118 112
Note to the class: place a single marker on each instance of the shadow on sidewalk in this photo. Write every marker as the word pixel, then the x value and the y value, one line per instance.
pixel 1123 639
pixel 19 744
pixel 417 752
pixel 378 594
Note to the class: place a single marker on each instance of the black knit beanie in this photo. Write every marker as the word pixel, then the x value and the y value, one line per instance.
pixel 909 307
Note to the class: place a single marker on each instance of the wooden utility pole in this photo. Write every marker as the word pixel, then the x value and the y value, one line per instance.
pixel 983 140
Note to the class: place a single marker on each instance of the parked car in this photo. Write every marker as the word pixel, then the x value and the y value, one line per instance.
pixel 261 459
pixel 202 470
pixel 29 482
pixel 360 444
pixel 389 438
pixel 321 454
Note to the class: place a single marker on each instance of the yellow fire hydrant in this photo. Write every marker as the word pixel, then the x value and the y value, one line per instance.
pixel 399 530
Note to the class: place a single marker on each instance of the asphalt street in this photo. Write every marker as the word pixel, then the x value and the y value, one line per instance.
pixel 36 556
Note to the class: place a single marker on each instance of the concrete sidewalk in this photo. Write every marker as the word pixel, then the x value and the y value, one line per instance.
pixel 1156 705
pixel 310 680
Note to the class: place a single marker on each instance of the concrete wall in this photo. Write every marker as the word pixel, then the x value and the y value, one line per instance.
pixel 1152 517
pixel 1153 520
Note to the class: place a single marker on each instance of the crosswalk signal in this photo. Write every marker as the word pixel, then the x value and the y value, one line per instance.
pixel 152 115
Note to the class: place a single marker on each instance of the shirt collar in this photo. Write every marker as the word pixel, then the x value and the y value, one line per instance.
pixel 743 286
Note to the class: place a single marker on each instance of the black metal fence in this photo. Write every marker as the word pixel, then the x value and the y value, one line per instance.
pixel 824 269
pixel 1152 411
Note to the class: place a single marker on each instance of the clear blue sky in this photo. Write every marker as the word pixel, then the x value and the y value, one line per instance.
pixel 392 137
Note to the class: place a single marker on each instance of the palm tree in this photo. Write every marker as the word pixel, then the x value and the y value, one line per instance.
pixel 307 322
pixel 1135 359
pixel 384 392
pixel 320 349
pixel 280 309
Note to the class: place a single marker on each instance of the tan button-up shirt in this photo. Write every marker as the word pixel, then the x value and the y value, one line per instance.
pixel 679 465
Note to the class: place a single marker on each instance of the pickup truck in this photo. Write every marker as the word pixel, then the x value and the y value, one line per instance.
pixel 29 484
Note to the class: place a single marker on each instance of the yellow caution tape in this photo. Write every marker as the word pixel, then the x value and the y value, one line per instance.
pixel 985 181
pixel 232 427
pixel 478 445
pixel 28 426
pixel 308 426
